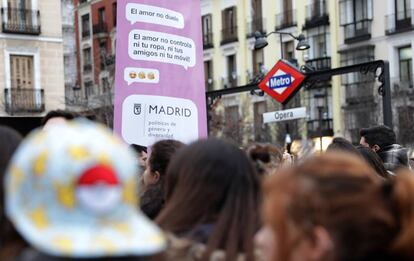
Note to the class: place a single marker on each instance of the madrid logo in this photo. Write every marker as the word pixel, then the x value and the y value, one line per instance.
pixel 282 82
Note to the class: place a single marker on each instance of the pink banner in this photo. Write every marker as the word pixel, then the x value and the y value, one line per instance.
pixel 159 84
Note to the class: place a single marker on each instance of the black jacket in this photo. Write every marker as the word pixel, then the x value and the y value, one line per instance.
pixel 394 156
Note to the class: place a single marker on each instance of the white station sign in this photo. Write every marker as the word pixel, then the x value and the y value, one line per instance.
pixel 285 115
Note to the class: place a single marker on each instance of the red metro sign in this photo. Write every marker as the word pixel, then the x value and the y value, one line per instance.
pixel 282 82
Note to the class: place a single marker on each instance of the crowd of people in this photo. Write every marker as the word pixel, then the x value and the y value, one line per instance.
pixel 71 190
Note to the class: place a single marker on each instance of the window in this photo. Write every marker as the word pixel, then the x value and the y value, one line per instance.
pixel 89 89
pixel 87 60
pixel 114 12
pixel 229 24
pixel 231 115
pixel 229 17
pixel 208 75
pixel 319 47
pixel 260 131
pixel 351 57
pixel 258 62
pixel 405 63
pixel 231 71
pixel 289 50
pixel 403 9
pixel 85 26
pixel 101 15
pixel 21 71
pixel 103 54
pixel 206 21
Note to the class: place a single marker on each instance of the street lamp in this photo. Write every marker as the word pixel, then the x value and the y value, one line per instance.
pixel 261 41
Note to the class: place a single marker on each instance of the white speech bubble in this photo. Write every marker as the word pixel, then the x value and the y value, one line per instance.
pixel 148 118
pixel 162 47
pixel 154 15
pixel 142 75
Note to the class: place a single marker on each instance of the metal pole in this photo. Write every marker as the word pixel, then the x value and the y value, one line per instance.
pixel 386 98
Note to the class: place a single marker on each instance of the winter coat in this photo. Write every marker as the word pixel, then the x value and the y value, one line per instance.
pixel 184 249
pixel 394 156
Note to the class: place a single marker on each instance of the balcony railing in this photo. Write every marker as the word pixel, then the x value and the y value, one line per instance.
pixel 87 67
pixel 360 92
pixel 229 35
pixel 357 31
pixel 21 21
pixel 86 33
pixel 230 82
pixel 100 29
pixel 24 100
pixel 402 87
pixel 322 63
pixel 110 59
pixel 208 40
pixel 258 24
pixel 320 127
pixel 316 15
pixel 399 22
pixel 286 19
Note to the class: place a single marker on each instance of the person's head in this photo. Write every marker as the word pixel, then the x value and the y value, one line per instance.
pixel 377 138
pixel 266 157
pixel 374 161
pixel 157 162
pixel 213 182
pixel 10 240
pixel 142 155
pixel 334 207
pixel 71 191
pixel 340 144
pixel 57 117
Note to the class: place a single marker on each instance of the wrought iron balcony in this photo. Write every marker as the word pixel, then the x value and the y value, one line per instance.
pixel 87 67
pixel 286 19
pixel 229 35
pixel 21 21
pixel 208 40
pixel 24 100
pixel 316 15
pixel 258 24
pixel 357 31
pixel 320 127
pixel 322 63
pixel 110 60
pixel 86 33
pixel 399 22
pixel 360 92
pixel 231 81
pixel 402 87
pixel 100 30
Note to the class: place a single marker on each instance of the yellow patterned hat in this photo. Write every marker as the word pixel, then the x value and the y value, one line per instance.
pixel 71 191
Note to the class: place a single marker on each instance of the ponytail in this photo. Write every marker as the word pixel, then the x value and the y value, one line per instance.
pixel 402 197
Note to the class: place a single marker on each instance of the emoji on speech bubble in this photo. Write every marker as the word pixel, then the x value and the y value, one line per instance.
pixel 141 75
pixel 151 76
pixel 132 75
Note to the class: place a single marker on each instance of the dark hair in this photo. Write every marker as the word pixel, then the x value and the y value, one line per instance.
pixel 379 135
pixel 161 153
pixel 212 182
pixel 374 161
pixel 367 219
pixel 68 115
pixel 264 155
pixel 340 144
pixel 138 148
pixel 152 200
pixel 10 240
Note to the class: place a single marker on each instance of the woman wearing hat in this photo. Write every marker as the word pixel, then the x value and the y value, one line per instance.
pixel 71 193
